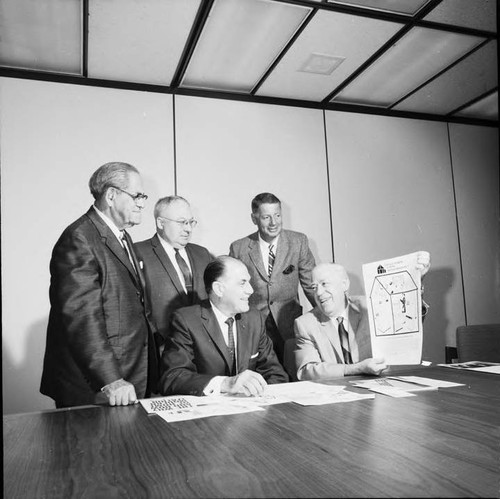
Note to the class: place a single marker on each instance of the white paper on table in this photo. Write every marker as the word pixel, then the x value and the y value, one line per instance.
pixel 333 397
pixel 185 407
pixel 394 303
pixel 391 391
pixel 476 365
pixel 392 383
pixel 435 383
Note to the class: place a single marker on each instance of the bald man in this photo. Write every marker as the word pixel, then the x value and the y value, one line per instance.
pixel 333 339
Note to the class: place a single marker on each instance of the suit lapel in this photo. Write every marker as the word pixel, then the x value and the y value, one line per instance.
pixel 329 335
pixel 256 256
pixel 281 252
pixel 244 344
pixel 212 328
pixel 111 242
pixel 167 264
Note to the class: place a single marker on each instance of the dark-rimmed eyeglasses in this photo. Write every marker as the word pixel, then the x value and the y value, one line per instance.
pixel 140 196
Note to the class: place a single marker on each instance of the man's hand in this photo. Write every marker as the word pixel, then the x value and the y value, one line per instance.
pixel 247 383
pixel 120 392
pixel 423 262
pixel 367 366
pixel 373 366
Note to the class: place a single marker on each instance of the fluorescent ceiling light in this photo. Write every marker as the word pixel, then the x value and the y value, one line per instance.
pixel 486 108
pixel 411 61
pixel 409 7
pixel 240 41
pixel 44 35
pixel 138 41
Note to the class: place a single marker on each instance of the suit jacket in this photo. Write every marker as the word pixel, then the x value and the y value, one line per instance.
pixel 318 352
pixel 195 350
pixel 278 295
pixel 98 331
pixel 163 286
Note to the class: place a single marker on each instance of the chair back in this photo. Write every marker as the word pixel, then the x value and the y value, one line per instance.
pixel 479 342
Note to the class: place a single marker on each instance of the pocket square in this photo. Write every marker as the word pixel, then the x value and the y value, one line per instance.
pixel 254 355
pixel 289 269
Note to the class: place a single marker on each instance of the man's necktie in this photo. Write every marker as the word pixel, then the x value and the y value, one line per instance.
pixel 128 251
pixel 230 345
pixel 186 273
pixel 344 341
pixel 270 261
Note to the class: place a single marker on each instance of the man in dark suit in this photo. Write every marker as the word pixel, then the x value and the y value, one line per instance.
pixel 99 339
pixel 277 260
pixel 220 346
pixel 173 267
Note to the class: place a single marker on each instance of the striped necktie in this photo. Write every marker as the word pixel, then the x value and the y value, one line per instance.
pixel 186 273
pixel 231 345
pixel 270 261
pixel 344 341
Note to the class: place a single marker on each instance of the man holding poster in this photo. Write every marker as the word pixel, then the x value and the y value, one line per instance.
pixel 333 339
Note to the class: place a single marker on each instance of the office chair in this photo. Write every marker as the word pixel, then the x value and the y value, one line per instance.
pixel 479 342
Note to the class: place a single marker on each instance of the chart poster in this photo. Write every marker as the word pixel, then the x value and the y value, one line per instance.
pixel 394 303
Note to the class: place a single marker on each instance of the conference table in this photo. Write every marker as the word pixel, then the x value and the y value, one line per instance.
pixel 439 443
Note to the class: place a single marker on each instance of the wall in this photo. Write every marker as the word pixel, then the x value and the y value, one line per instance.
pixel 380 170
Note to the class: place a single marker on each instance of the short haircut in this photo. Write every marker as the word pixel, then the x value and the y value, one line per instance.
pixel 113 174
pixel 214 270
pixel 166 201
pixel 264 197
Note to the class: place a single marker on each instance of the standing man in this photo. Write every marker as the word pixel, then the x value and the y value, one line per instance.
pixel 220 346
pixel 333 339
pixel 173 266
pixel 99 340
pixel 277 260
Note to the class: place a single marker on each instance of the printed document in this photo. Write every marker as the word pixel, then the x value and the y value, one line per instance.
pixel 394 305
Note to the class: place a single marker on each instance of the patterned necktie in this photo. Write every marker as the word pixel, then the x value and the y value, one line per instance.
pixel 270 260
pixel 344 341
pixel 186 273
pixel 126 247
pixel 231 346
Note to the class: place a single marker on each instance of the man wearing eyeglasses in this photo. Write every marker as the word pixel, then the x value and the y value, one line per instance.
pixel 172 265
pixel 100 345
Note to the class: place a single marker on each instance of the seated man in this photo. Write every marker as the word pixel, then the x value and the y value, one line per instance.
pixel 220 345
pixel 333 339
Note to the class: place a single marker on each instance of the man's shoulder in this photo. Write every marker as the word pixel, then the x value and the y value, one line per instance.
pixel 313 316
pixel 244 241
pixel 293 236
pixel 145 243
pixel 82 225
pixel 198 250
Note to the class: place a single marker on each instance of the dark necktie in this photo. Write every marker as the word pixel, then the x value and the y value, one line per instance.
pixel 127 247
pixel 230 345
pixel 186 273
pixel 270 261
pixel 344 341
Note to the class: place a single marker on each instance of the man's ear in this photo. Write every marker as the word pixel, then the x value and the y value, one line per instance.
pixel 218 289
pixel 346 283
pixel 254 218
pixel 159 223
pixel 110 195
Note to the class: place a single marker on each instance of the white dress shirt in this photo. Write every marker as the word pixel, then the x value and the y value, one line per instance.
pixel 264 250
pixel 170 250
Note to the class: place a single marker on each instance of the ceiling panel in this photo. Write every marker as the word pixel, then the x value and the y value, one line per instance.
pixel 138 41
pixel 328 35
pixel 486 108
pixel 411 61
pixel 240 41
pixel 477 14
pixel 450 90
pixel 45 35
pixel 409 7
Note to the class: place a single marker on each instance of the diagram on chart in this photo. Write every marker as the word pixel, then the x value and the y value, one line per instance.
pixel 394 308
pixel 393 304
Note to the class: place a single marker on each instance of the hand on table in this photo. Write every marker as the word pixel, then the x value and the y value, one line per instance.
pixel 120 392
pixel 247 383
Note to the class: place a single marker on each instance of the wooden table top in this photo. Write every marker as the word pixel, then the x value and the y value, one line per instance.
pixel 440 443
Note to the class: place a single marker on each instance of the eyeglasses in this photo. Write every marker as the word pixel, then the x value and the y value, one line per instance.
pixel 183 222
pixel 136 197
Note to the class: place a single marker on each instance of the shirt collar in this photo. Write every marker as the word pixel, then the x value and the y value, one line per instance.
pixel 114 229
pixel 265 245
